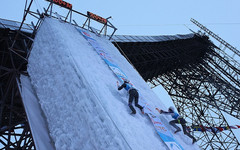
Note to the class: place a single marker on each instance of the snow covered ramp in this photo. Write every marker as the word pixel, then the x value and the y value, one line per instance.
pixel 79 97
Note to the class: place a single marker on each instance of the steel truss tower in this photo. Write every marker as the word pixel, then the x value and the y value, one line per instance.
pixel 203 91
pixel 202 80
pixel 14 127
pixel 201 96
pixel 15 41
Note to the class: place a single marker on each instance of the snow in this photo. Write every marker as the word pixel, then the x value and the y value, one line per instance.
pixel 78 94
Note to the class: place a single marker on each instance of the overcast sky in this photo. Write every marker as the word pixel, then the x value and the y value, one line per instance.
pixel 152 17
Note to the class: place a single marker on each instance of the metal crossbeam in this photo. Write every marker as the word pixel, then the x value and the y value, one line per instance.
pixel 225 68
pixel 237 52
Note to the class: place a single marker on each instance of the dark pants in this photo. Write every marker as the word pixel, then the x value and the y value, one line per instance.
pixel 183 123
pixel 133 94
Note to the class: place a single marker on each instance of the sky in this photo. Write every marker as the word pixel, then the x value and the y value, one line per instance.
pixel 152 17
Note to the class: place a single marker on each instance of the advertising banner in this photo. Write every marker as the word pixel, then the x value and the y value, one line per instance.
pixel 161 129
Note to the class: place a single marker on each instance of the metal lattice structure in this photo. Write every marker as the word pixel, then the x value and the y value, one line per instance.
pixel 15 41
pixel 154 58
pixel 200 97
pixel 198 76
pixel 14 128
pixel 209 32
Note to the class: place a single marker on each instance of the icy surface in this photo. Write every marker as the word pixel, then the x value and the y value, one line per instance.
pixel 79 96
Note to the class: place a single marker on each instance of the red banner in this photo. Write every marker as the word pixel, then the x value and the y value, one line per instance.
pixel 96 17
pixel 62 3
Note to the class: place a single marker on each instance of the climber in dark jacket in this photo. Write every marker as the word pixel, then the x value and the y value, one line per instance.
pixel 133 94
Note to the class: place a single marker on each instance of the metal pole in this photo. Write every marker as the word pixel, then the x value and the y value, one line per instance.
pixel 71 17
pixel 51 8
pixel 24 17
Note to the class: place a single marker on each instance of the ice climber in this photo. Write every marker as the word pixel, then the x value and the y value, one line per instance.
pixel 133 94
pixel 177 120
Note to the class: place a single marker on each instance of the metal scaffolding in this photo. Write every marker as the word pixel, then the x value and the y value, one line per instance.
pixel 15 48
pixel 201 96
pixel 14 128
pixel 200 80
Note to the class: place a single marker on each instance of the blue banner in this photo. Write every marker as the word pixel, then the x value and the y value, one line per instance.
pixel 162 131
pixel 108 60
